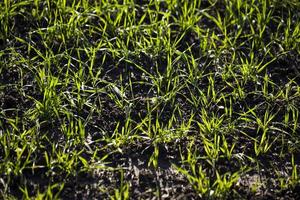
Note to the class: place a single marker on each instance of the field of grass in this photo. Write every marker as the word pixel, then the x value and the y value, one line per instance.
pixel 158 99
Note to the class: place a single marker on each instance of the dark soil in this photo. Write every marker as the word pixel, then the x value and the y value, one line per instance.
pixel 146 182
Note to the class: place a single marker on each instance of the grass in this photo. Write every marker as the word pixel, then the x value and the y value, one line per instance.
pixel 149 99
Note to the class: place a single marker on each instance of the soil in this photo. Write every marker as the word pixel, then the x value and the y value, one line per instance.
pixel 146 182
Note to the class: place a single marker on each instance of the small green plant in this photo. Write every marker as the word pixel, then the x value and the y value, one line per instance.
pixel 294 180
pixel 123 191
